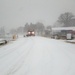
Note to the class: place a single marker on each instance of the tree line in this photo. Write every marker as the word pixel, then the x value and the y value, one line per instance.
pixel 38 27
pixel 66 19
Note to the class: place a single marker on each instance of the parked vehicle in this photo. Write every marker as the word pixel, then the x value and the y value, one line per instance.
pixel 2 41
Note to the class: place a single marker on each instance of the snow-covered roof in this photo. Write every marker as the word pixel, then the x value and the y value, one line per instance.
pixel 64 28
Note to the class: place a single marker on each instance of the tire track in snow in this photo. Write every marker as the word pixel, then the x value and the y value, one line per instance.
pixel 21 60
pixel 12 45
pixel 71 62
pixel 61 56
pixel 10 50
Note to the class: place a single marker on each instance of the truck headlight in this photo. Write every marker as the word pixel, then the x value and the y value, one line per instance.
pixel 33 33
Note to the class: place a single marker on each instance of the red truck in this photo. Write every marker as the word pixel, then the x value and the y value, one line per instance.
pixel 30 33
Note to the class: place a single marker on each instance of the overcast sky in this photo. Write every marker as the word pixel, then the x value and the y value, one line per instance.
pixel 15 13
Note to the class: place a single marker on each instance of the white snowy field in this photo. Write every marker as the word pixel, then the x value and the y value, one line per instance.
pixel 37 56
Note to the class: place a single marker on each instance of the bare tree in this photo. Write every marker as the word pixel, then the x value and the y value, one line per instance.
pixel 65 18
pixel 26 27
pixel 40 28
pixel 49 28
pixel 48 31
pixel 20 30
pixel 32 26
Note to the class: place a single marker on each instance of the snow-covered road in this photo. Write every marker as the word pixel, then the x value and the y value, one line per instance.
pixel 37 56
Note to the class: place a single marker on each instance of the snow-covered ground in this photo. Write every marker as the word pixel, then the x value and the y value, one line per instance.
pixel 37 56
pixel 71 41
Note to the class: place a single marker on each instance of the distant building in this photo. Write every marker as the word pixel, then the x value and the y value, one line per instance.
pixel 62 32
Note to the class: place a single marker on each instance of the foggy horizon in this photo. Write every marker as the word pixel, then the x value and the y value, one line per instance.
pixel 15 13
